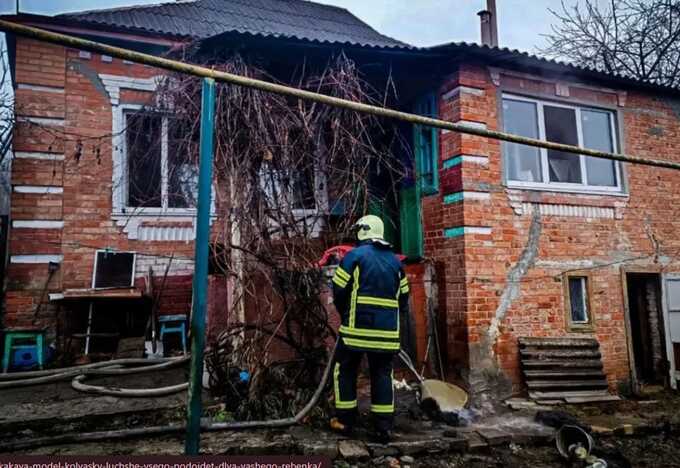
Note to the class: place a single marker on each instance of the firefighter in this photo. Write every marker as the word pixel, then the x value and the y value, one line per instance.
pixel 370 289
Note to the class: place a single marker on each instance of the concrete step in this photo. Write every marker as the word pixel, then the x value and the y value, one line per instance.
pixel 559 342
pixel 560 353
pixel 553 363
pixel 564 374
pixel 599 383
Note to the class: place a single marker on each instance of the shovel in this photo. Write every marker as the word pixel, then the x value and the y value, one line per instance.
pixel 447 397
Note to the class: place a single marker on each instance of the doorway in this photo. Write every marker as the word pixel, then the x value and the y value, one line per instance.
pixel 647 338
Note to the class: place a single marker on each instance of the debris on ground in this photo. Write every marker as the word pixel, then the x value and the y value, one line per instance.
pixel 639 433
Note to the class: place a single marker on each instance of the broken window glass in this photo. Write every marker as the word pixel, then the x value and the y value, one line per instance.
pixel 143 147
pixel 578 299
pixel 597 135
pixel 524 162
pixel 560 127
pixel 586 128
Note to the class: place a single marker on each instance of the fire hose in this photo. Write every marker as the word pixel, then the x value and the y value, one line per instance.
pixel 114 367
pixel 107 368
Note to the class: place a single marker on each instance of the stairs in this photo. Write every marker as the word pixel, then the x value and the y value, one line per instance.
pixel 564 370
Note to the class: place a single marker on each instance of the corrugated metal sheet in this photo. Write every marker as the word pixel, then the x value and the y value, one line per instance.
pixel 201 19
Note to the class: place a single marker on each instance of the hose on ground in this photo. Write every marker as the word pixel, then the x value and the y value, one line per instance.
pixel 94 365
pixel 114 367
pixel 77 384
pixel 176 428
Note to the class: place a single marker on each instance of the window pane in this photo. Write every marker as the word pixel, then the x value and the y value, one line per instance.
pixel 114 270
pixel 524 162
pixel 577 298
pixel 143 148
pixel 182 169
pixel 560 127
pixel 426 156
pixel 425 140
pixel 182 184
pixel 597 135
pixel 303 189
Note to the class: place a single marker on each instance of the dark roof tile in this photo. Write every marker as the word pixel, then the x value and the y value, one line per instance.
pixel 200 19
pixel 306 20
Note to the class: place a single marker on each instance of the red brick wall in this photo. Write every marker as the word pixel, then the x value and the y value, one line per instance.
pixel 66 116
pixel 475 267
pixel 472 269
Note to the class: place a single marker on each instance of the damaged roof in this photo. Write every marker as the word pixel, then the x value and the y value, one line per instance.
pixel 201 19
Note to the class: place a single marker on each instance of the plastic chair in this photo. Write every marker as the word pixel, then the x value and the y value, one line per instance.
pixel 174 324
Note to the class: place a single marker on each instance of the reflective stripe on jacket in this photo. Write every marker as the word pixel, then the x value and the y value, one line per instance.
pixel 369 289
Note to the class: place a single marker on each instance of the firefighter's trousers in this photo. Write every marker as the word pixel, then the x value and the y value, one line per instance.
pixel 345 375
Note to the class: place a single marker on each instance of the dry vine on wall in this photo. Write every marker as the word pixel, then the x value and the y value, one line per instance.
pixel 290 178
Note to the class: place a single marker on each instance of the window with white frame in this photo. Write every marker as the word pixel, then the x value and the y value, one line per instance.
pixel 577 298
pixel 586 127
pixel 159 171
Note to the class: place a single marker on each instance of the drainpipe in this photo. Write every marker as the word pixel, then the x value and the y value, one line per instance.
pixel 489 24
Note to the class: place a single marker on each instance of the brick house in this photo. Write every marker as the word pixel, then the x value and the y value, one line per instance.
pixel 525 242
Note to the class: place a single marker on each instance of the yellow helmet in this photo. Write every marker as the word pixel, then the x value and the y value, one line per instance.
pixel 370 227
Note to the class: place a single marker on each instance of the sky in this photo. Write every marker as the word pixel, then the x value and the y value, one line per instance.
pixel 417 22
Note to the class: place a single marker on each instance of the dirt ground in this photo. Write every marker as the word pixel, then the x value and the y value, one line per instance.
pixel 647 451
pixel 43 411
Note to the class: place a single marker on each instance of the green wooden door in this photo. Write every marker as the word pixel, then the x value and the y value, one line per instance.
pixel 410 222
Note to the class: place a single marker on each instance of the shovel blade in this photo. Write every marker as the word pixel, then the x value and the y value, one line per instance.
pixel 448 397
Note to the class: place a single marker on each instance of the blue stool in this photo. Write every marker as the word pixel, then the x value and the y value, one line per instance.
pixel 174 324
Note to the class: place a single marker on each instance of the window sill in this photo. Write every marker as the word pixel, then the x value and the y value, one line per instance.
pixel 157 212
pixel 567 190
pixel 581 328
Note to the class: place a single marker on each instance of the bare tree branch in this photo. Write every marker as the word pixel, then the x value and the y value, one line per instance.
pixel 634 38
pixel 7 114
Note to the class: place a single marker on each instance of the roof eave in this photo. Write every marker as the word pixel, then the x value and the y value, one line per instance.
pixel 92 29
pixel 504 57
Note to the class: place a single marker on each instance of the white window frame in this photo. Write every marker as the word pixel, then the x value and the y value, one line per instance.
pixel 543 153
pixel 96 260
pixel 125 110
